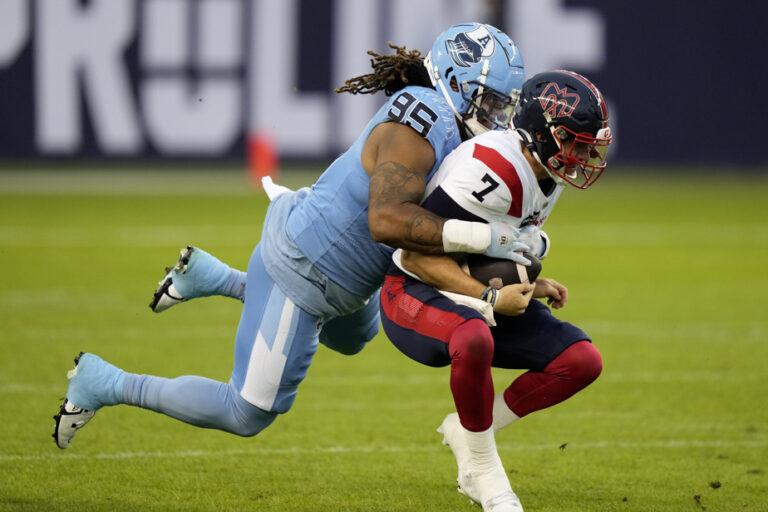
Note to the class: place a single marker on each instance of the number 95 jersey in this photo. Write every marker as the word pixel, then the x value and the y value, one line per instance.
pixel 487 178
pixel 330 226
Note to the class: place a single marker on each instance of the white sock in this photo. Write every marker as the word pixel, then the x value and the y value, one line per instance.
pixel 486 467
pixel 482 447
pixel 502 414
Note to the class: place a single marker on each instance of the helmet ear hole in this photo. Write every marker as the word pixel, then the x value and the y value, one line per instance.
pixel 454 85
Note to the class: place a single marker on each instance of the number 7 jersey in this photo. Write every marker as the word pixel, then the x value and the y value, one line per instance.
pixel 487 178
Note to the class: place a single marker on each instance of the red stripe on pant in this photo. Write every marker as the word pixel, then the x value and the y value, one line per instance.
pixel 410 313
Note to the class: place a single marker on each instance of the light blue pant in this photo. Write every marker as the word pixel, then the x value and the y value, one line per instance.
pixel 275 343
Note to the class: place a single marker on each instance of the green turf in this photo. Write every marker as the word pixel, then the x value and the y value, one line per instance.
pixel 667 275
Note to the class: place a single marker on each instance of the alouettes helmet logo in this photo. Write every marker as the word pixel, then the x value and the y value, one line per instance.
pixel 557 102
pixel 468 48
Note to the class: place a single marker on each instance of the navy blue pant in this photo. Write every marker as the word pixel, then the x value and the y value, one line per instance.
pixel 419 321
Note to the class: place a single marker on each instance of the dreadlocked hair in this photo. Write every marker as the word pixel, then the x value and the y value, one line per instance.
pixel 390 73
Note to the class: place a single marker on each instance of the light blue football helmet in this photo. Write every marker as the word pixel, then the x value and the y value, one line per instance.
pixel 479 71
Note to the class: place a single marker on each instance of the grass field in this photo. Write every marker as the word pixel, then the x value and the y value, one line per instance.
pixel 669 276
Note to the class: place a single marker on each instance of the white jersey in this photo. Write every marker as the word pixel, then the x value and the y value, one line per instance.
pixel 487 178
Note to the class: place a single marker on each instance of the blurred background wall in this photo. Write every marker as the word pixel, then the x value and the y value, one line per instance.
pixel 222 80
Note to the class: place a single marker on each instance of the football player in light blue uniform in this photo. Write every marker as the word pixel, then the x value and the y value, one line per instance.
pixel 324 250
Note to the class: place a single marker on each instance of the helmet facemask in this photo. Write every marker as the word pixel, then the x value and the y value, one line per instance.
pixel 580 159
pixel 489 110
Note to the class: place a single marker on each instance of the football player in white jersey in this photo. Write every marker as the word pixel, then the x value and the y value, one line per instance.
pixel 560 138
pixel 314 276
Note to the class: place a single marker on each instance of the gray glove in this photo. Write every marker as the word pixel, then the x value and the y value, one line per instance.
pixel 536 239
pixel 506 243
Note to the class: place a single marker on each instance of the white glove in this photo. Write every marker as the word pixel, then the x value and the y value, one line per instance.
pixel 506 243
pixel 536 239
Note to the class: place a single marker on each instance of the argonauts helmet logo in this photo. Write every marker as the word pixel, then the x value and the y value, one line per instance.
pixel 557 102
pixel 468 48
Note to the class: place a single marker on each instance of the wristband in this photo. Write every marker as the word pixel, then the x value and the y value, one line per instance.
pixel 489 295
pixel 464 236
pixel 545 241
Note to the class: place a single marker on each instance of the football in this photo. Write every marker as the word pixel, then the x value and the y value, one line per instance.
pixel 500 272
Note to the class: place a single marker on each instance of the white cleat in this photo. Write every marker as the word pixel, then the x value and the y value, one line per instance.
pixel 93 383
pixel 490 489
pixel 196 274
pixel 453 436
pixel 504 502
pixel 69 420
pixel 483 480
pixel 166 294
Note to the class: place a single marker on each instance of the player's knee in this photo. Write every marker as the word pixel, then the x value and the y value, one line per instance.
pixel 472 339
pixel 347 346
pixel 253 423
pixel 351 349
pixel 357 341
pixel 588 363
pixel 245 419
pixel 349 342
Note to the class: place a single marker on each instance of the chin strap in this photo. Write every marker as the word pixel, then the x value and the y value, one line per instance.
pixel 474 126
pixel 528 141
pixel 437 82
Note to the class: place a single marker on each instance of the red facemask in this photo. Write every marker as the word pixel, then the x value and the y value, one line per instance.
pixel 580 166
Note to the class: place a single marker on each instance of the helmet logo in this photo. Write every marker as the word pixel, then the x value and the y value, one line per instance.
pixel 468 48
pixel 557 102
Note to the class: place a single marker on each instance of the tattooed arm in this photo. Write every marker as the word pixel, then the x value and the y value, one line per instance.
pixel 398 159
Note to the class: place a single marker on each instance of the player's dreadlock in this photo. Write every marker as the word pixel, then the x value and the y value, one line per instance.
pixel 390 73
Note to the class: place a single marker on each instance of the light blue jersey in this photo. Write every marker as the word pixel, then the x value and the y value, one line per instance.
pixel 313 278
pixel 330 225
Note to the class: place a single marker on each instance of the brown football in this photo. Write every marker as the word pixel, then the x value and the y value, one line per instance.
pixel 500 272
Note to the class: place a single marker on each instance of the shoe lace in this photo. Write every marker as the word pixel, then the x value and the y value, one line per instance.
pixel 508 498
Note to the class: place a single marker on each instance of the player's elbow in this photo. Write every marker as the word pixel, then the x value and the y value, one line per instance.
pixel 409 261
pixel 383 228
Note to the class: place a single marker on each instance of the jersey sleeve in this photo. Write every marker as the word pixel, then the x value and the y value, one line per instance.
pixel 425 111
